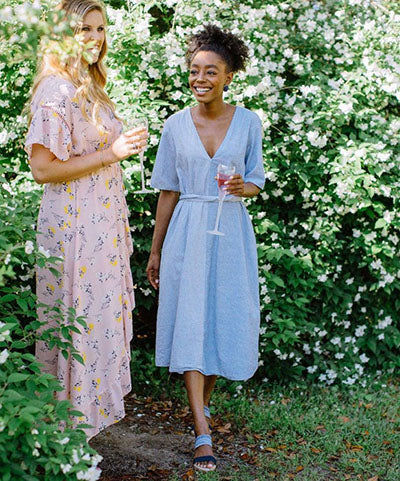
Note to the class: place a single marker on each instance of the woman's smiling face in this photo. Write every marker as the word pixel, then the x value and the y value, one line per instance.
pixel 208 76
pixel 93 29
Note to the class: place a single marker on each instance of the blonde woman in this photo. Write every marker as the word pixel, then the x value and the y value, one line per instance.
pixel 74 145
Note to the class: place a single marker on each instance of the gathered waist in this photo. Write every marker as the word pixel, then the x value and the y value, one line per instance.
pixel 208 198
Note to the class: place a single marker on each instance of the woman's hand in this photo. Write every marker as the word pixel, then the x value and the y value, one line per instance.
pixel 127 144
pixel 153 269
pixel 235 185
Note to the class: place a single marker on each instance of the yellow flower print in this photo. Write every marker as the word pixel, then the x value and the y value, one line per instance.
pixel 50 288
pixel 84 356
pixel 115 242
pixel 102 412
pixel 90 328
pixel 65 225
pixel 98 380
pixel 55 114
pixel 77 388
pixel 120 298
pixel 114 260
pixel 51 231
pixel 119 318
pixel 82 271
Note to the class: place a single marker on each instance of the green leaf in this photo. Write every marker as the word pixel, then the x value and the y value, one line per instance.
pixel 17 377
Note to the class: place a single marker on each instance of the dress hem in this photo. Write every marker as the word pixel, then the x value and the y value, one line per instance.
pixel 181 370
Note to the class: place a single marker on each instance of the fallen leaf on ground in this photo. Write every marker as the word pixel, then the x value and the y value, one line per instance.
pixel 299 468
pixel 344 419
pixel 374 478
pixel 225 429
pixel 189 475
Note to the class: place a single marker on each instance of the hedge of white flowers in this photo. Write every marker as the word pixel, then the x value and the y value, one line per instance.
pixel 324 77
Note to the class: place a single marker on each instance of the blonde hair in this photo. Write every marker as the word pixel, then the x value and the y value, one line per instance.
pixel 90 81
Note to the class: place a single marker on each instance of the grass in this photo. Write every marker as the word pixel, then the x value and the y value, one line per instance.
pixel 315 434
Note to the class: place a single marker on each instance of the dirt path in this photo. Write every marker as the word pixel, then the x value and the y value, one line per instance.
pixel 154 440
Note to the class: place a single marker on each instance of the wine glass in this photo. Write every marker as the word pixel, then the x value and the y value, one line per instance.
pixel 223 174
pixel 140 123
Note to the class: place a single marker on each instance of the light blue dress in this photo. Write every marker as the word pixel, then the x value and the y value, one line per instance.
pixel 209 311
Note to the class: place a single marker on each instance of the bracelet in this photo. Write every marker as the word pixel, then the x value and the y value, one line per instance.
pixel 102 158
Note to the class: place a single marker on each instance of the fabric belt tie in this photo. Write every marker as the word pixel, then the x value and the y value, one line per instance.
pixel 208 198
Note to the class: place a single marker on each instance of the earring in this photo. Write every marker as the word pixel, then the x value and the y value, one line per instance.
pixel 226 88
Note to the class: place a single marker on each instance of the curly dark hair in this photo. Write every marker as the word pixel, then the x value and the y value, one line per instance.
pixel 228 46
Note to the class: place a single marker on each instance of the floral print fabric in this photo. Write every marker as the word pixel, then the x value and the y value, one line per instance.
pixel 85 222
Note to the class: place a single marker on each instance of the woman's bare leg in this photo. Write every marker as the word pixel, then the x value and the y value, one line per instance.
pixel 195 383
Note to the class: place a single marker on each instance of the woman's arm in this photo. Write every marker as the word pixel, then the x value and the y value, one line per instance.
pixel 165 207
pixel 47 168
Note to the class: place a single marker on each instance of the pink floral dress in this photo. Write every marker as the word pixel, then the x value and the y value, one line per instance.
pixel 85 222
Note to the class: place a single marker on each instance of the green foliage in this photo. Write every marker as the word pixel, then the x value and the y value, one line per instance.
pixel 324 79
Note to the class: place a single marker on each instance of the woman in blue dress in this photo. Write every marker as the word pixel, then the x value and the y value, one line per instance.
pixel 208 316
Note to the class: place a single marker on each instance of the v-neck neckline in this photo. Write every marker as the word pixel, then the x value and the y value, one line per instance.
pixel 223 140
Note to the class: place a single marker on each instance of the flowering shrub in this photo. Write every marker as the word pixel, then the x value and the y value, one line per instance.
pixel 324 77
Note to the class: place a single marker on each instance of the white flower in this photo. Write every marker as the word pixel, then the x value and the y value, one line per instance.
pixel 315 139
pixel 312 369
pixel 28 247
pixel 64 440
pixel 65 468
pixel 3 356
pixel 35 452
pixel 322 278
pixel 34 431
pixel 272 10
pixel 75 457
pixel 364 358
pixel 360 331
pixel 335 341
pixel 43 251
pixel 339 355
pixel 346 108
pixel 92 474
pixel 385 323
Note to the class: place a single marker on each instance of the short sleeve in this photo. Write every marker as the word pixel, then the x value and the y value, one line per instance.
pixel 254 170
pixel 51 124
pixel 164 175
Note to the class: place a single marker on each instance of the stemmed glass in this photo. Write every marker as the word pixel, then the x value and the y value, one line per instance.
pixel 140 123
pixel 223 174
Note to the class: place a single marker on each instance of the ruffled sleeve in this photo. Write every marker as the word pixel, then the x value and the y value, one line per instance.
pixel 52 120
pixel 254 170
pixel 165 175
